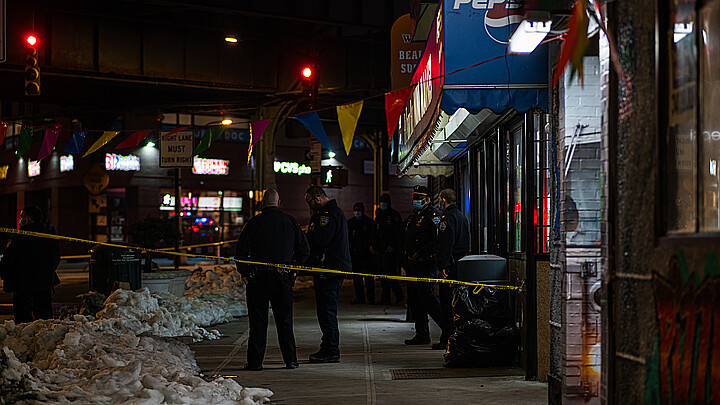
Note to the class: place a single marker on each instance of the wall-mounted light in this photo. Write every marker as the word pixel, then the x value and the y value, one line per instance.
pixel 226 121
pixel 150 144
pixel 528 35
pixel 331 154
pixel 231 39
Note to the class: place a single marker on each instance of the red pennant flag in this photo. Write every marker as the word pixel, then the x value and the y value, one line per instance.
pixel 51 136
pixel 394 105
pixel 3 131
pixel 576 41
pixel 134 139
pixel 257 129
pixel 176 130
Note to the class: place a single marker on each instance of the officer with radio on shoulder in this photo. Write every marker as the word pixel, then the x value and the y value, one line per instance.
pixel 270 237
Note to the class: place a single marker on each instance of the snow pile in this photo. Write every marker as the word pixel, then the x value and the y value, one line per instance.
pixel 85 362
pixel 219 285
pixel 137 312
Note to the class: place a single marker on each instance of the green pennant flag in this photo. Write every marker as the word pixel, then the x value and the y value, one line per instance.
pixel 26 140
pixel 208 139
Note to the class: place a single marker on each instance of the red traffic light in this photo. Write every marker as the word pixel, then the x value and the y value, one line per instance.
pixel 31 40
pixel 307 72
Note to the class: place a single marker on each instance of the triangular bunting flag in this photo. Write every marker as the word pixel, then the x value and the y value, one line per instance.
pixel 134 139
pixel 104 138
pixel 76 143
pixel 312 122
pixel 51 136
pixel 208 139
pixel 26 139
pixel 3 131
pixel 394 105
pixel 348 116
pixel 176 130
pixel 257 129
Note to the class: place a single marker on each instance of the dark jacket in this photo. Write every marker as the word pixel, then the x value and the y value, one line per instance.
pixel 272 237
pixel 453 237
pixel 388 231
pixel 328 238
pixel 360 231
pixel 29 263
pixel 421 234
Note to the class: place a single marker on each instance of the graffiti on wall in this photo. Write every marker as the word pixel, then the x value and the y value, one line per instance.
pixel 685 365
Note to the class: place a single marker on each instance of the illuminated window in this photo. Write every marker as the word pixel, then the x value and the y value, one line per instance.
pixel 542 185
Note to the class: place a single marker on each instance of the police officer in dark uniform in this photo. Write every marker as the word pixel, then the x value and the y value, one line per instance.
pixel 420 243
pixel 386 246
pixel 453 245
pixel 360 227
pixel 271 237
pixel 329 248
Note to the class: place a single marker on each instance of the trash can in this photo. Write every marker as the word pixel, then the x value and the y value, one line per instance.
pixel 482 268
pixel 110 265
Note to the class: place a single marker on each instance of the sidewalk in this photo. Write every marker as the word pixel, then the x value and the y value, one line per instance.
pixel 376 367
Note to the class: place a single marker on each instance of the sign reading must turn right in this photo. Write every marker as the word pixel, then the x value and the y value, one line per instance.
pixel 176 149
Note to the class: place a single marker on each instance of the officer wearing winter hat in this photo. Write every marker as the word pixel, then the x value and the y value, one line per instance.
pixel 360 228
pixel 421 235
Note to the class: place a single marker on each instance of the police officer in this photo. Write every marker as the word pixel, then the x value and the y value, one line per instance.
pixel 271 237
pixel 386 246
pixel 329 248
pixel 420 243
pixel 360 227
pixel 453 245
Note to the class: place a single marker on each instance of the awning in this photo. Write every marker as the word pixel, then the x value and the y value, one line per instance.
pixel 465 65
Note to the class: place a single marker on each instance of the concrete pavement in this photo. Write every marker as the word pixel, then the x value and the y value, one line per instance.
pixel 376 367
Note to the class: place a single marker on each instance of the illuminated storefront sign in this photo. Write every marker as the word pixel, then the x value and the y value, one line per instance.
pixel 4 171
pixel 201 203
pixel 291 167
pixel 119 162
pixel 33 168
pixel 211 166
pixel 67 163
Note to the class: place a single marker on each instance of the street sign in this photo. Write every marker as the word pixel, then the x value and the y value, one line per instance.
pixel 95 202
pixel 176 149
pixel 332 176
pixel 96 179
pixel 315 155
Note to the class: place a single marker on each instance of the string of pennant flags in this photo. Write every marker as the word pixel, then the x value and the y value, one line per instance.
pixel 348 115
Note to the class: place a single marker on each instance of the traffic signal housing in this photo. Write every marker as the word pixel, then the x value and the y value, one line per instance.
pixel 308 94
pixel 32 67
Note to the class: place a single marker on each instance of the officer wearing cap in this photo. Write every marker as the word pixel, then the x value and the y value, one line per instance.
pixel 420 244
pixel 386 246
pixel 329 248
pixel 270 237
pixel 360 227
pixel 453 245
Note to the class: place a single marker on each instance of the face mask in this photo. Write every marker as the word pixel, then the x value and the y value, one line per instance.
pixel 418 204
pixel 383 206
pixel 358 214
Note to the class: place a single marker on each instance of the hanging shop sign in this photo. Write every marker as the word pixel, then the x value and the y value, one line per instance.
pixel 211 166
pixel 4 172
pixel 291 168
pixel 176 149
pixel 122 163
pixel 67 163
pixel 33 168
pixel 404 54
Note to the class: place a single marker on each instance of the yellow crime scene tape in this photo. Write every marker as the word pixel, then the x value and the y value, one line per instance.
pixel 478 286
pixel 162 249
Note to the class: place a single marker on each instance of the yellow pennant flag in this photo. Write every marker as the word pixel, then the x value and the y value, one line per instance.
pixel 105 138
pixel 348 116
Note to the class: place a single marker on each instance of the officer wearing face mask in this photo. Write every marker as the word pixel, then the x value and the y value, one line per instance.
pixel 329 248
pixel 420 243
pixel 360 227
pixel 386 246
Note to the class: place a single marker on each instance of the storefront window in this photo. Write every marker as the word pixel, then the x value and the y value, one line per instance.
pixel 517 177
pixel 692 136
pixel 542 185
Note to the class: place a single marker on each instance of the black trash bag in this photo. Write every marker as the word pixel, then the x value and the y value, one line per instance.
pixel 489 304
pixel 497 348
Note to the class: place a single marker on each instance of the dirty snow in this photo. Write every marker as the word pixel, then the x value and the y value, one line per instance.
pixel 220 285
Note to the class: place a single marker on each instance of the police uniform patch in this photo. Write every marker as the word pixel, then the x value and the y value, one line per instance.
pixel 324 220
pixel 436 220
pixel 442 226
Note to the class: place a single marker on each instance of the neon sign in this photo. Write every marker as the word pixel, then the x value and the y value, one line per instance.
pixel 211 166
pixel 201 203
pixel 119 162
pixel 291 167
pixel 33 168
pixel 67 163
